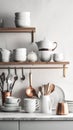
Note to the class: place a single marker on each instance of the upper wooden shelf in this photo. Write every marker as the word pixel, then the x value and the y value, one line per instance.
pixel 19 30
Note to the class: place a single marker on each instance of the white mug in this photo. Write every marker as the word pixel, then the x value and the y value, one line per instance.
pixel 11 100
pixel 30 105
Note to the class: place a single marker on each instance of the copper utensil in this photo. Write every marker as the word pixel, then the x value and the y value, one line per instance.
pixel 4 95
pixel 30 91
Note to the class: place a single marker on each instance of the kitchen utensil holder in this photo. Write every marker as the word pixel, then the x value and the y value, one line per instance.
pixel 34 67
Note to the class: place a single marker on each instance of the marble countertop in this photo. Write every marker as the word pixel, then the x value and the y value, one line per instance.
pixel 34 116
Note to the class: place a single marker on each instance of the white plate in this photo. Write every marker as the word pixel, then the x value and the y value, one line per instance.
pixel 10 109
pixel 69 101
pixel 57 96
pixel 11 105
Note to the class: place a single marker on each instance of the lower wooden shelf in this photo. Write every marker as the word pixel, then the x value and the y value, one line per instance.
pixel 35 65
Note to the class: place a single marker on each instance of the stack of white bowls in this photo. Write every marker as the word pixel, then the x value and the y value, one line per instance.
pixel 31 105
pixel 70 105
pixel 22 19
pixel 20 54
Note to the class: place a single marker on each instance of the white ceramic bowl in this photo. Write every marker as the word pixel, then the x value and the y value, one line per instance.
pixel 30 105
pixel 22 23
pixel 58 57
pixel 19 50
pixel 44 55
pixel 22 14
pixel 20 58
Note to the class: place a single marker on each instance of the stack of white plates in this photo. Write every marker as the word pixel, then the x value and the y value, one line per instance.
pixel 19 54
pixel 22 19
pixel 70 105
pixel 10 107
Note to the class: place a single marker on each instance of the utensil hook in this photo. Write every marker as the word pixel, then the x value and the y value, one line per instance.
pixel 22 71
pixel 8 70
pixel 15 71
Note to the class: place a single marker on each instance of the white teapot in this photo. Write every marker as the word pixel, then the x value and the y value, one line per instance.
pixel 46 45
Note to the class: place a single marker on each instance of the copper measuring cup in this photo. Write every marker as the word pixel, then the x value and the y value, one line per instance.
pixel 30 91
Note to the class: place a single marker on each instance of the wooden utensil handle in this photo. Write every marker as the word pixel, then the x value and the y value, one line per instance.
pixel 30 79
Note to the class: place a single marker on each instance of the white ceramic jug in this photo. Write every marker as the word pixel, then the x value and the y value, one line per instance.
pixel 46 44
pixel 46 104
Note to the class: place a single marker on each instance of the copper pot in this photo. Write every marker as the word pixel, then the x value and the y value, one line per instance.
pixel 30 91
pixel 62 108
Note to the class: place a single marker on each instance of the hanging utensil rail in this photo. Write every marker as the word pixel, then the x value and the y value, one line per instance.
pixel 36 65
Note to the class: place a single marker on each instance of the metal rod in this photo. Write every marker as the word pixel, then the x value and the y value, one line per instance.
pixel 34 68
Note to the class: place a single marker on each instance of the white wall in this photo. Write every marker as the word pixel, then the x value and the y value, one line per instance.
pixel 53 19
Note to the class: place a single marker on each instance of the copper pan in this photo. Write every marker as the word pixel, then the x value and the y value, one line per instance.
pixel 30 91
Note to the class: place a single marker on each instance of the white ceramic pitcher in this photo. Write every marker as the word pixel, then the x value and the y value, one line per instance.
pixel 46 44
pixel 46 104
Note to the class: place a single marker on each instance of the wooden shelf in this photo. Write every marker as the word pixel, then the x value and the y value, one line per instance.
pixel 34 65
pixel 19 30
pixel 30 65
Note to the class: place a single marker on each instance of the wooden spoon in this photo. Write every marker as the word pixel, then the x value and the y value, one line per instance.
pixel 50 89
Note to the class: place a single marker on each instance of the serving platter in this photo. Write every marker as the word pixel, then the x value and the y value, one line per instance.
pixel 57 96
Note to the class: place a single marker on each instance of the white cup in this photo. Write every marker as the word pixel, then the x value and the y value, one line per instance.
pixel 5 55
pixel 31 105
pixel 12 100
